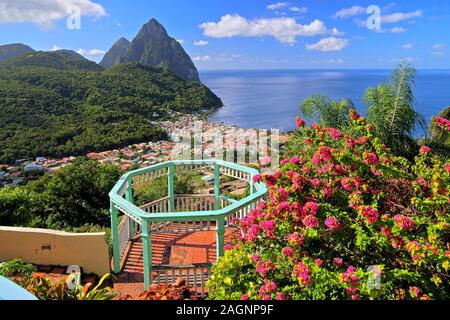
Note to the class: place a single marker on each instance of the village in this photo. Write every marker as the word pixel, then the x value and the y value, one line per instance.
pixel 136 155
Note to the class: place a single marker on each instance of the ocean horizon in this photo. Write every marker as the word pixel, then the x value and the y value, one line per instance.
pixel 258 98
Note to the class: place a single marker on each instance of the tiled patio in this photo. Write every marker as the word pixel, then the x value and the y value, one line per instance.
pixel 167 249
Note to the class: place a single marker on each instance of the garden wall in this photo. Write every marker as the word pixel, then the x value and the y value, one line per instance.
pixel 48 247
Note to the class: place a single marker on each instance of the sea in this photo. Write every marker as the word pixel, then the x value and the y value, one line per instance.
pixel 266 99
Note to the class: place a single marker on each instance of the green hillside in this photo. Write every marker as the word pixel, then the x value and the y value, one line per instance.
pixel 68 107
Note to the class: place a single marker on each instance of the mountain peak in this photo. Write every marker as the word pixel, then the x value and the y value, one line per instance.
pixel 9 51
pixel 153 46
pixel 115 53
pixel 153 27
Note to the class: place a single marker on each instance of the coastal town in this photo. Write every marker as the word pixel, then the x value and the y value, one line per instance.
pixel 131 156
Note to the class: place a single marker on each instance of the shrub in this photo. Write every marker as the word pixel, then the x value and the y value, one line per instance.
pixel 343 214
pixel 16 268
pixel 47 289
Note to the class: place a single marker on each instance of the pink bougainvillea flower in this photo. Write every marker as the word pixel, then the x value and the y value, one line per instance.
pixel 310 208
pixel 282 296
pixel 227 247
pixel 303 273
pixel 299 122
pixel 397 242
pixel 244 297
pixel 332 223
pixel 310 221
pixel 337 262
pixel 422 182
pixel 369 213
pixel 255 258
pixel 386 231
pixel 443 123
pixel 295 160
pixel 256 178
pixel 269 228
pixel 284 161
pixel 353 114
pixel 425 149
pixel 284 206
pixel 263 267
pixel 295 239
pixel 414 292
pixel 370 158
pixel 404 222
pixel 361 140
pixel 318 262
pixel 315 182
pixel 334 133
pixel 282 194
pixel 288 252
pixel 308 141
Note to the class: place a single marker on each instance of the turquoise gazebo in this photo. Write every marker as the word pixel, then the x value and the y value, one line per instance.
pixel 178 213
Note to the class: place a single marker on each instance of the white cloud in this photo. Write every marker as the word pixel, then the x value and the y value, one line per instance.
pixel 335 61
pixel 180 41
pixel 437 53
pixel 91 52
pixel 401 16
pixel 285 30
pixel 397 30
pixel 407 46
pixel 328 44
pixel 349 12
pixel 277 5
pixel 45 13
pixel 56 48
pixel 201 58
pixel 298 9
pixel 200 43
pixel 406 59
pixel 438 46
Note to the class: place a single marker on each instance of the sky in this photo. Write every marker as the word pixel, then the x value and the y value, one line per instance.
pixel 246 34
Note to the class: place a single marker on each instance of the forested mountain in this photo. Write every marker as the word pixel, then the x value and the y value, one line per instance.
pixel 154 47
pixel 60 59
pixel 115 53
pixel 13 50
pixel 56 104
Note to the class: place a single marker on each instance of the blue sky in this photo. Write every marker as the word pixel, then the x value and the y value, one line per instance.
pixel 246 34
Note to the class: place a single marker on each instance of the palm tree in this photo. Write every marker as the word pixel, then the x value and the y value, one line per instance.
pixel 391 111
pixel 440 138
pixel 327 112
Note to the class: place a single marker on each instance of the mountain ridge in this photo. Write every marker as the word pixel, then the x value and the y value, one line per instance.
pixel 12 50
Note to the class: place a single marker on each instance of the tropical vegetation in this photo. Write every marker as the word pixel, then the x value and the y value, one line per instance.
pixel 74 199
pixel 55 104
pixel 390 109
pixel 346 219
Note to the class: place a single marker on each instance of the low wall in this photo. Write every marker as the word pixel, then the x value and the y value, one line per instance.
pixel 49 247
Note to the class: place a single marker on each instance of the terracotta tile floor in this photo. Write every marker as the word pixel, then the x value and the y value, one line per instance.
pixel 176 249
pixel 58 274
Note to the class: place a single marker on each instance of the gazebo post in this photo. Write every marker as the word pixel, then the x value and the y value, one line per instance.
pixel 129 197
pixel 216 186
pixel 171 188
pixel 115 237
pixel 220 237
pixel 147 254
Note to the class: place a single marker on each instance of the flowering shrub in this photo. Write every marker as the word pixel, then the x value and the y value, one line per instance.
pixel 345 219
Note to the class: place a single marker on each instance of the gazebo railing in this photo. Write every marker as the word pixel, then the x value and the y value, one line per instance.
pixel 180 213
